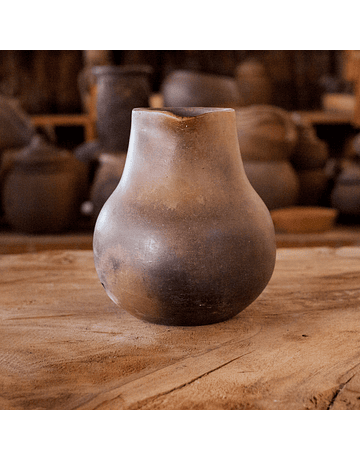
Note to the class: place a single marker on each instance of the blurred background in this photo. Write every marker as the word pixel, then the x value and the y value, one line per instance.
pixel 65 121
pixel 47 81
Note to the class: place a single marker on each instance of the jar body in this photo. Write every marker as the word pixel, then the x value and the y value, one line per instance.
pixel 118 90
pixel 108 174
pixel 184 239
pixel 41 198
pixel 189 88
pixel 276 182
pixel 345 195
pixel 266 133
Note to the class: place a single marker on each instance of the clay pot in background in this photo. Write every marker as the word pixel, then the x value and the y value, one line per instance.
pixel 106 179
pixel 254 83
pixel 275 181
pixel 16 129
pixel 42 188
pixel 184 239
pixel 266 133
pixel 189 88
pixel 312 186
pixel 310 152
pixel 118 90
pixel 309 159
pixel 267 136
pixel 88 155
pixel 345 196
pixel 86 78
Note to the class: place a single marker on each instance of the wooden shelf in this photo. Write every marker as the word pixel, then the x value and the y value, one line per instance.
pixel 68 120
pixel 329 117
pixel 18 243
pixel 326 117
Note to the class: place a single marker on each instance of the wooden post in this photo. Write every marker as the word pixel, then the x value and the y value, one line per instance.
pixel 352 73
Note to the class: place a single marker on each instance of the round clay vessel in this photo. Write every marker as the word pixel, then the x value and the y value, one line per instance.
pixel 16 129
pixel 42 188
pixel 265 132
pixel 184 239
pixel 189 88
pixel 310 152
pixel 313 184
pixel 345 196
pixel 275 181
pixel 118 90
pixel 107 176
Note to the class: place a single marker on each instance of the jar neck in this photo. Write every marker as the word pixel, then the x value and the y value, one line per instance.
pixel 184 135
pixel 171 150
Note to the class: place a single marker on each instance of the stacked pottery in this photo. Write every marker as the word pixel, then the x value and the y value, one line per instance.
pixel 267 137
pixel 118 90
pixel 190 88
pixel 309 159
pixel 254 83
pixel 42 188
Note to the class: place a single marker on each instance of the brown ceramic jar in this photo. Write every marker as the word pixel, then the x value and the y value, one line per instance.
pixel 184 239
pixel 345 195
pixel 108 174
pixel 310 152
pixel 266 133
pixel 118 90
pixel 42 188
pixel 190 88
pixel 276 182
pixel 267 137
pixel 16 129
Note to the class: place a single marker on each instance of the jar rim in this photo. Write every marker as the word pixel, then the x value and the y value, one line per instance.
pixel 183 112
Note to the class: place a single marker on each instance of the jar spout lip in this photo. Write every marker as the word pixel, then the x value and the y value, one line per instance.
pixel 183 112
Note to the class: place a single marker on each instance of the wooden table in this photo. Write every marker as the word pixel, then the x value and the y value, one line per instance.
pixel 65 345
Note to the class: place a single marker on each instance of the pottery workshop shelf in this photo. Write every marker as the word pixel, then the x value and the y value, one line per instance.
pixel 53 120
pixel 65 345
pixel 18 243
pixel 327 117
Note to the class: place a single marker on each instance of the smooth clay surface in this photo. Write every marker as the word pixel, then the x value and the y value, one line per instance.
pixel 184 239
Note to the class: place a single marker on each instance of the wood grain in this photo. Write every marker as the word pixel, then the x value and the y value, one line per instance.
pixel 65 345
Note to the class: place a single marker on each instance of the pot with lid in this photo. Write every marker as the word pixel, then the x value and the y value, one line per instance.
pixel 42 188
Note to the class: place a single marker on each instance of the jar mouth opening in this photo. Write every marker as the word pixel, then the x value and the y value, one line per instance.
pixel 183 112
